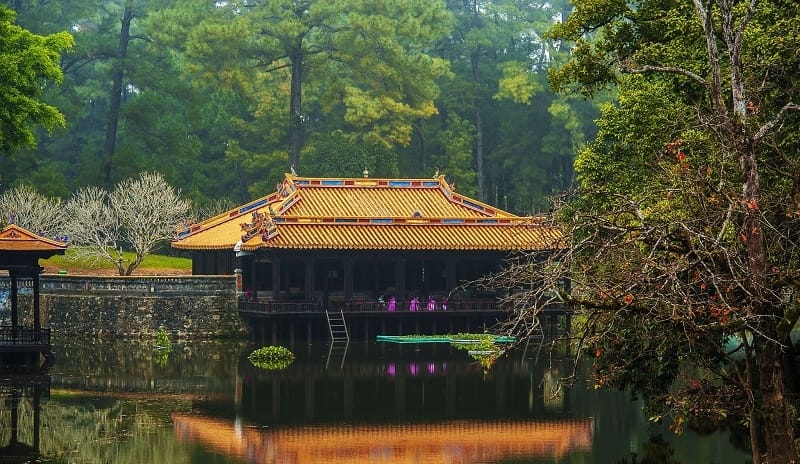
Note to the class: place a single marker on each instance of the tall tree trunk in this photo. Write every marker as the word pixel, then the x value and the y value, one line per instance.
pixel 772 408
pixel 776 417
pixel 296 107
pixel 773 411
pixel 478 127
pixel 115 100
pixel 420 125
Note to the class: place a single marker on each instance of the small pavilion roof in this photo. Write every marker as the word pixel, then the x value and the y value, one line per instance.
pixel 366 213
pixel 14 238
pixel 21 248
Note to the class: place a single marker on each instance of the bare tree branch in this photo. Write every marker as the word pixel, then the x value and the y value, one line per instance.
pixel 769 125
pixel 666 69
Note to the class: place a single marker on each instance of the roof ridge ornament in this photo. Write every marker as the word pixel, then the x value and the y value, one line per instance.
pixel 262 225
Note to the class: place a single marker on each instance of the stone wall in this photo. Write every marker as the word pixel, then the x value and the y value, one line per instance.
pixel 191 306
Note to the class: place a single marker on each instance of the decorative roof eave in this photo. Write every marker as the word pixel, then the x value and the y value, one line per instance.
pixel 346 236
pixel 308 246
pixel 14 238
pixel 529 221
pixel 288 193
pixel 438 183
pixel 404 237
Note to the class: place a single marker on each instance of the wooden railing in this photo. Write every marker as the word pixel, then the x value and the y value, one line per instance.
pixel 270 306
pixel 23 336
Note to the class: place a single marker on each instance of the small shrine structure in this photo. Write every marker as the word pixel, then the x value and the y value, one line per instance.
pixel 360 243
pixel 23 340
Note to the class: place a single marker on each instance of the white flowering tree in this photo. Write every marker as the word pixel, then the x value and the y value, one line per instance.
pixel 31 210
pixel 136 216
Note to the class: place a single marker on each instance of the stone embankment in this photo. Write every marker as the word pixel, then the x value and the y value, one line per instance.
pixel 186 306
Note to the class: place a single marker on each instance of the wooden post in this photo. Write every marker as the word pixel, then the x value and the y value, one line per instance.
pixel 451 274
pixel 347 263
pixel 276 278
pixel 14 307
pixel 37 322
pixel 400 279
pixel 309 280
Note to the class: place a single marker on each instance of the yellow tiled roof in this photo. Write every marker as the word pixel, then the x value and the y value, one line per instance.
pixel 400 214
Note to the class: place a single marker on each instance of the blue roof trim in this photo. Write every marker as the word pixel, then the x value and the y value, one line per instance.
pixel 430 183
pixel 473 205
pixel 452 221
pixel 332 182
pixel 487 221
pixel 345 220
pixel 381 221
pixel 399 183
pixel 252 206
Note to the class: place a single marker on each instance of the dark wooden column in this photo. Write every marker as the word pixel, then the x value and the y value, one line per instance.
pixel 309 279
pixel 400 278
pixel 276 278
pixel 253 276
pixel 347 264
pixel 14 306
pixel 37 321
pixel 451 273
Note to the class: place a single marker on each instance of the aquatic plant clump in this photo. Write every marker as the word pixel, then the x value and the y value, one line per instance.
pixel 271 357
pixel 482 347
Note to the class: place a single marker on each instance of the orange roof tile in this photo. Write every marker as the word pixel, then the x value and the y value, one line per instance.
pixel 404 214
pixel 15 238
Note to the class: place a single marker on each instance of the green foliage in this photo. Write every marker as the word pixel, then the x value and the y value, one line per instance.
pixel 455 161
pixel 162 347
pixel 681 233
pixel 162 338
pixel 271 357
pixel 207 87
pixel 28 64
pixel 484 348
pixel 517 84
pixel 336 155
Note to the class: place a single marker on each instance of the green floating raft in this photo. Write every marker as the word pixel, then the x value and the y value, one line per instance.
pixel 440 339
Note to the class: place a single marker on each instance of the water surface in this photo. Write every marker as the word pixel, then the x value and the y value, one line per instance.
pixel 203 402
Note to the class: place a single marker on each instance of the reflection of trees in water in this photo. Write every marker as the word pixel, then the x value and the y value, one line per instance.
pixel 24 418
pixel 112 400
pixel 92 429
pixel 655 451
pixel 134 365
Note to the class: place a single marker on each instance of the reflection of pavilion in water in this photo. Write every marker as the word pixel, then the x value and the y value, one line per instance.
pixel 411 404
pixel 20 416
pixel 403 383
pixel 448 442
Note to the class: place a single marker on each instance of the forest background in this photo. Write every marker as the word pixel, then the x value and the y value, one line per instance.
pixel 683 238
pixel 223 97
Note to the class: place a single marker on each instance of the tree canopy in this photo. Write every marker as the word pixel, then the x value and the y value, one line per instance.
pixel 684 228
pixel 29 63
pixel 202 92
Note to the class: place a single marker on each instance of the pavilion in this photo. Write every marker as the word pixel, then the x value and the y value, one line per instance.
pixel 319 243
pixel 20 251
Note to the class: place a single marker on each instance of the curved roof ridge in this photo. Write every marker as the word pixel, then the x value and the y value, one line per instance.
pixel 332 212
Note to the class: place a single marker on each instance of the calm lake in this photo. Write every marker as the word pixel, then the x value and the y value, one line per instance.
pixel 376 402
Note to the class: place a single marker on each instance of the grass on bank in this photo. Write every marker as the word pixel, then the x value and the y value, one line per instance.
pixel 72 263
